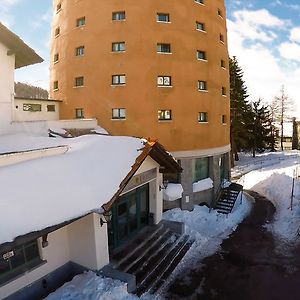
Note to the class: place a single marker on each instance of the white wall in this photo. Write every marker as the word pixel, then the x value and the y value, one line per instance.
pixel 7 64
pixel 20 115
pixel 83 241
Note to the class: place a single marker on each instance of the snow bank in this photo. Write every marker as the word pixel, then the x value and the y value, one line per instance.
pixel 208 229
pixel 275 183
pixel 48 191
pixel 173 192
pixel 202 185
pixel 99 130
pixel 89 286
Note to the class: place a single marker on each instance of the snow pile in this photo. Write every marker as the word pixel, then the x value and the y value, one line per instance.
pixel 89 286
pixel 99 130
pixel 92 170
pixel 275 183
pixel 173 192
pixel 208 229
pixel 202 185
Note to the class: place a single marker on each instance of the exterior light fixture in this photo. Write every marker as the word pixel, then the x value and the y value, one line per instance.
pixel 45 242
pixel 107 215
pixel 165 185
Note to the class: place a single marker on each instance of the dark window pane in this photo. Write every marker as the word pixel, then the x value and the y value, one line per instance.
pixel 4 266
pixel 18 259
pixel 31 252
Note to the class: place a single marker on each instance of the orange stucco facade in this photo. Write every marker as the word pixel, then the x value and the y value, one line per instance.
pixel 142 64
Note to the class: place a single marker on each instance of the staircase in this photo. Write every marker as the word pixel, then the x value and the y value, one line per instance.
pixel 152 256
pixel 228 198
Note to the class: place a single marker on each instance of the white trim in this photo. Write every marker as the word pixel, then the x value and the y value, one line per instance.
pixel 201 152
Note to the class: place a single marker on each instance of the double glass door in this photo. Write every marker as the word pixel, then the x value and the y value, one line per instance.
pixel 129 215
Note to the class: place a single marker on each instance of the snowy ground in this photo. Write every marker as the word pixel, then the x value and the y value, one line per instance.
pixel 269 174
pixel 274 180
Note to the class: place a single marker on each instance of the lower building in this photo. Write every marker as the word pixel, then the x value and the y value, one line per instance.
pixel 64 193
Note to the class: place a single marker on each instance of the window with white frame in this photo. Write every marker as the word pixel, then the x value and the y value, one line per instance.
pixel 199 1
pixel 79 51
pixel 79 113
pixel 164 114
pixel 51 107
pixel 202 85
pixel 80 22
pixel 57 31
pixel 200 169
pixel 163 48
pixel 201 55
pixel 223 64
pixel 119 79
pixel 79 81
pixel 118 47
pixel 58 7
pixel 200 26
pixel 55 85
pixel 222 39
pixel 118 113
pixel 164 81
pixel 223 119
pixel 163 17
pixel 223 91
pixel 118 16
pixel 32 107
pixel 56 57
pixel 202 117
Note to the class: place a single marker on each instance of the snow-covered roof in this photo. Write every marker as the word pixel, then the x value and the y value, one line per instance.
pixel 46 191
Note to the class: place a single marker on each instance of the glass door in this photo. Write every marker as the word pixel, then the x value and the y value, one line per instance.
pixel 129 215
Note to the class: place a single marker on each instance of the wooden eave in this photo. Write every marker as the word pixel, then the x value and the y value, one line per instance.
pixel 157 152
pixel 24 55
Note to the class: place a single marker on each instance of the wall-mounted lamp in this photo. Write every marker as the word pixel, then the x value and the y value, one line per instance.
pixel 165 185
pixel 45 242
pixel 107 215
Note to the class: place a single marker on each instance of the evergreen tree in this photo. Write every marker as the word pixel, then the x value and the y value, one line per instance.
pixel 239 110
pixel 295 142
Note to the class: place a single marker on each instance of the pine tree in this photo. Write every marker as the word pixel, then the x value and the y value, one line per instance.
pixel 239 110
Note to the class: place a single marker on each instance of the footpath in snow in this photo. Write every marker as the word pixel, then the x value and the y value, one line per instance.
pixel 275 181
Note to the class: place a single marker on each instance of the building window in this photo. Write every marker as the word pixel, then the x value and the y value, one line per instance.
pixel 79 81
pixel 163 48
pixel 80 22
pixel 51 107
pixel 118 16
pixel 223 64
pixel 223 91
pixel 118 113
pixel 223 119
pixel 79 113
pixel 55 85
pixel 118 47
pixel 32 107
pixel 79 51
pixel 19 260
pixel 202 117
pixel 58 7
pixel 200 169
pixel 161 17
pixel 199 1
pixel 200 26
pixel 164 115
pixel 220 14
pixel 164 80
pixel 222 38
pixel 201 55
pixel 56 57
pixel 173 177
pixel 118 79
pixel 202 86
pixel 57 31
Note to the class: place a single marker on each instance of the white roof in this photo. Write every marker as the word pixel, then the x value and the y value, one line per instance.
pixel 47 191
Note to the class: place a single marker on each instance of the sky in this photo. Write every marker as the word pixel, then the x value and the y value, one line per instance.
pixel 264 35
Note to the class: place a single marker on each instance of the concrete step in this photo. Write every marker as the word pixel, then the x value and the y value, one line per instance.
pixel 164 261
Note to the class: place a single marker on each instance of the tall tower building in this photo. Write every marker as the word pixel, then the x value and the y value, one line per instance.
pixel 150 69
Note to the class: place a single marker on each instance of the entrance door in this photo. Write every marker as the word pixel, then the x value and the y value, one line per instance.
pixel 129 215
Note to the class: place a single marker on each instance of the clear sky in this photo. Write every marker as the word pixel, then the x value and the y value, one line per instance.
pixel 264 35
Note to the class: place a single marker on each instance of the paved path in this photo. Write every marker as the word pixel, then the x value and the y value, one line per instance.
pixel 248 267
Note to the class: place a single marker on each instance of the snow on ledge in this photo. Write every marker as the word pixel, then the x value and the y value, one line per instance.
pixel 173 192
pixel 202 185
